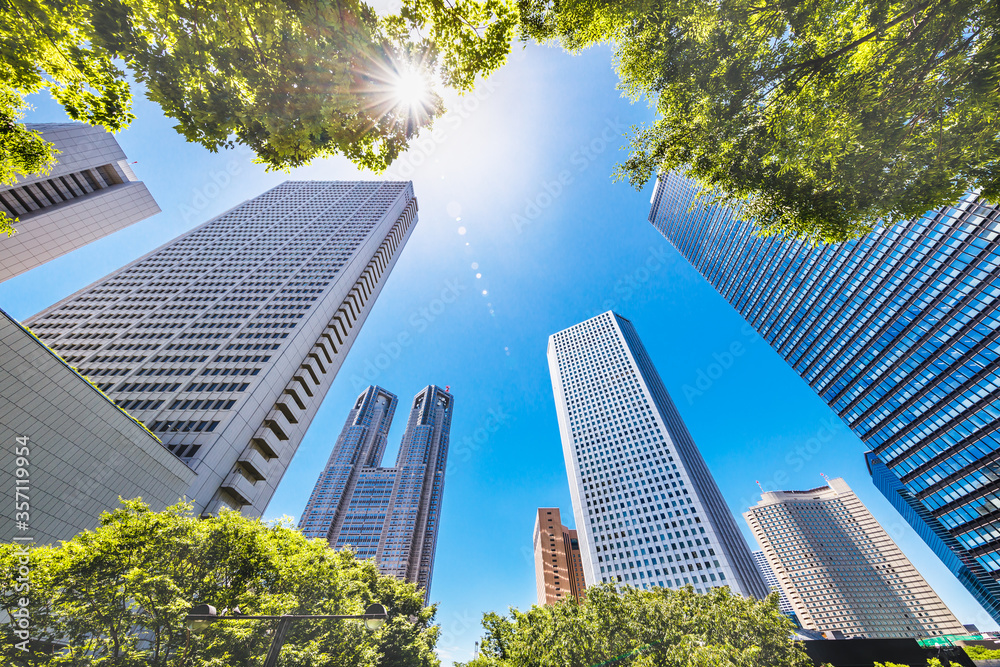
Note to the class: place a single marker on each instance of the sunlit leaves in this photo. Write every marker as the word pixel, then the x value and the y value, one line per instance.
pixel 821 119
pixel 44 45
pixel 471 37
pixel 658 627
pixel 293 80
pixel 118 596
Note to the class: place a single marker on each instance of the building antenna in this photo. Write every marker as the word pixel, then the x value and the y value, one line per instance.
pixel 823 475
pixel 759 486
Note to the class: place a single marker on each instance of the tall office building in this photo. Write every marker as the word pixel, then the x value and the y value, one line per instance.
pixel 91 192
pixel 647 510
pixel 841 570
pixel 771 579
pixel 389 514
pixel 558 564
pixel 225 340
pixel 898 332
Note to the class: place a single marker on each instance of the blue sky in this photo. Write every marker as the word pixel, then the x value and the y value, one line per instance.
pixel 515 186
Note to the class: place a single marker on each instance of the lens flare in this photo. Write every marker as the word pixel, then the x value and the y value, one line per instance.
pixel 411 89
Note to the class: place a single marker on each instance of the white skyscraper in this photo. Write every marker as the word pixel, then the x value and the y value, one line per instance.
pixel 91 192
pixel 225 340
pixel 648 512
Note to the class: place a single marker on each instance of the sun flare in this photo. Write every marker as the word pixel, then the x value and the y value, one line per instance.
pixel 411 89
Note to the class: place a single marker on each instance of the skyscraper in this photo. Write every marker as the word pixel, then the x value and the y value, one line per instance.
pixel 558 565
pixel 91 192
pixel 771 579
pixel 841 570
pixel 225 340
pixel 897 331
pixel 648 512
pixel 389 514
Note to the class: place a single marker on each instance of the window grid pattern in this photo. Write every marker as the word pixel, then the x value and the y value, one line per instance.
pixel 897 331
pixel 841 570
pixel 772 582
pixel 391 515
pixel 224 341
pixel 648 512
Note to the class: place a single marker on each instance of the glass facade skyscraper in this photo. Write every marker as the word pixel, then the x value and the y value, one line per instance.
pixel 772 582
pixel 648 512
pixel 898 332
pixel 225 340
pixel 389 514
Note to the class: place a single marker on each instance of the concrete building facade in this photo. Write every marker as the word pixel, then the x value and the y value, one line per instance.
pixel 225 340
pixel 90 193
pixel 78 450
pixel 897 331
pixel 647 510
pixel 842 572
pixel 558 563
pixel 391 515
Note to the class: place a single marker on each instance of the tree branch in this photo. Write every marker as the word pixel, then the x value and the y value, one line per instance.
pixel 816 63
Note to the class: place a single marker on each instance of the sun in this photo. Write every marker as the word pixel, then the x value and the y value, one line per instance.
pixel 411 89
pixel 400 91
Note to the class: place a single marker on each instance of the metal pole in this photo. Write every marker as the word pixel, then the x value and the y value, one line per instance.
pixel 279 639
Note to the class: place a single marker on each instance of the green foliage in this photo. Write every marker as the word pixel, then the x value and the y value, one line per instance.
pixel 821 118
pixel 294 80
pixel 655 628
pixel 47 45
pixel 119 595
pixel 982 653
pixel 470 37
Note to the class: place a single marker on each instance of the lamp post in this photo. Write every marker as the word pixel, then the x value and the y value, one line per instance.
pixel 204 615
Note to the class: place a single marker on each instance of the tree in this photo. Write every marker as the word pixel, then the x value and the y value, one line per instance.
pixel 982 653
pixel 821 119
pixel 45 44
pixel 292 79
pixel 639 628
pixel 118 596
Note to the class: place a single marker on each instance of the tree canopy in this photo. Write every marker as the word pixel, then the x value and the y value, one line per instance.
pixel 821 119
pixel 293 80
pixel 118 596
pixel 640 628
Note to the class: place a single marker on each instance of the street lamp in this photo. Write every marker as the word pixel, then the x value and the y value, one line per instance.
pixel 203 615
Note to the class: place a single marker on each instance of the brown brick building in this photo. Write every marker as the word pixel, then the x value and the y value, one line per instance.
pixel 558 566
